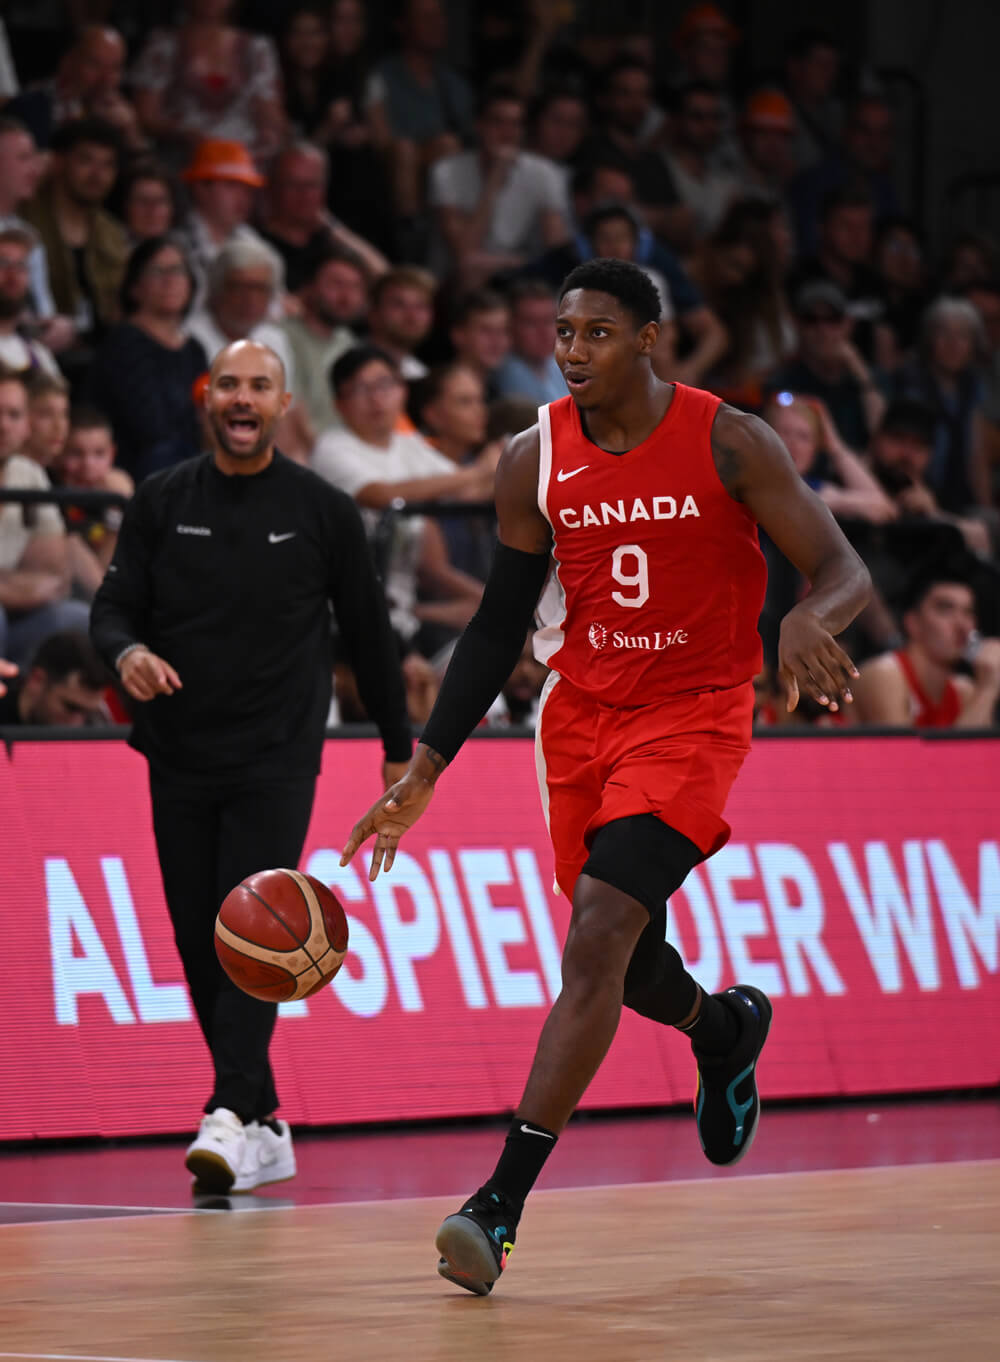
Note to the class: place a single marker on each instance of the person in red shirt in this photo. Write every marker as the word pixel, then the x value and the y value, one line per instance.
pixel 917 685
pixel 645 497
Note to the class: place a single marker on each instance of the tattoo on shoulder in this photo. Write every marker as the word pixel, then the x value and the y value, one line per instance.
pixel 728 464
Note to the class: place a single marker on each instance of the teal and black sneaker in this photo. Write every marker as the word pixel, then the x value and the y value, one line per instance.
pixel 727 1104
pixel 475 1243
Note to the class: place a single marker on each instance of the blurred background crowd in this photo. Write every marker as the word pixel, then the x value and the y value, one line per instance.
pixel 390 194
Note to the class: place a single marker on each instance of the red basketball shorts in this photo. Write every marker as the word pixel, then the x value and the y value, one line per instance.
pixel 676 759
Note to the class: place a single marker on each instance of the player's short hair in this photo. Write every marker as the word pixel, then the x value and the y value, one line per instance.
pixel 352 361
pixel 68 653
pixel 623 281
pixel 89 417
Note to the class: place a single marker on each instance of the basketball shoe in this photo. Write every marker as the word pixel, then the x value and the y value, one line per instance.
pixel 267 1157
pixel 216 1153
pixel 727 1104
pixel 475 1243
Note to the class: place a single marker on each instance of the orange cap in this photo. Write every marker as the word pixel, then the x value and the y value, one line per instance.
pixel 701 18
pixel 218 159
pixel 770 109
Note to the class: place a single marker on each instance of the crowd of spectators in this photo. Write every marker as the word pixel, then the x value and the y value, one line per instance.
pixel 395 224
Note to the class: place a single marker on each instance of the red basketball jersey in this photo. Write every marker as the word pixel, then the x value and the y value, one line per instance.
pixel 925 712
pixel 659 578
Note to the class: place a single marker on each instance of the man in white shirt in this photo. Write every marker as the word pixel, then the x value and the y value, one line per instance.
pixel 497 206
pixel 378 464
pixel 34 564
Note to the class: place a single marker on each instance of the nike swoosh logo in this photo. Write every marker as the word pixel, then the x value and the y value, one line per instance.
pixel 562 476
pixel 273 538
pixel 529 1130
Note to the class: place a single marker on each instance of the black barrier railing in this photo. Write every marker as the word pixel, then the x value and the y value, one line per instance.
pixel 87 498
pixel 13 734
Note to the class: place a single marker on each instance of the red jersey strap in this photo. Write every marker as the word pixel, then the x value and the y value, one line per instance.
pixel 931 714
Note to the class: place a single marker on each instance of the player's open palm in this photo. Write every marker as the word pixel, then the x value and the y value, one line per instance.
pixel 811 660
pixel 389 817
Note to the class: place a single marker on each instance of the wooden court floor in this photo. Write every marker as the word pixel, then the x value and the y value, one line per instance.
pixel 879 1263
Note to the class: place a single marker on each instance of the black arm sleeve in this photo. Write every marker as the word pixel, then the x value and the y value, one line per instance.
pixel 485 655
pixel 363 621
pixel 119 611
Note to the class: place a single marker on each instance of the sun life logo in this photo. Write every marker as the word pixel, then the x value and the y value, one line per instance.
pixel 598 636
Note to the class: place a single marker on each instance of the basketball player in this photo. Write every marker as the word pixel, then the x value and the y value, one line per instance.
pixel 646 495
pixel 215 611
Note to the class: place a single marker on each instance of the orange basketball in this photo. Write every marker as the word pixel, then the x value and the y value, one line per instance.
pixel 281 935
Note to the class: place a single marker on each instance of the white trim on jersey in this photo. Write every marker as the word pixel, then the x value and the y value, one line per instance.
pixel 544 460
pixel 551 609
pixel 541 769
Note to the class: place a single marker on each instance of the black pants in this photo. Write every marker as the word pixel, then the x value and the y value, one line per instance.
pixel 207 842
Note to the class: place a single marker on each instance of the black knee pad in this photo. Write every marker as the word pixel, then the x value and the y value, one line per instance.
pixel 642 857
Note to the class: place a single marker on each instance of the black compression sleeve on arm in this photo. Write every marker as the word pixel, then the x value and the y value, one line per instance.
pixel 485 655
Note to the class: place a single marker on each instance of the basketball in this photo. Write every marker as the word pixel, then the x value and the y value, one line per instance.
pixel 281 935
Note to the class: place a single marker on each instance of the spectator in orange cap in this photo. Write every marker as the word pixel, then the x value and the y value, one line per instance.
pixel 222 180
pixel 767 135
pixel 208 78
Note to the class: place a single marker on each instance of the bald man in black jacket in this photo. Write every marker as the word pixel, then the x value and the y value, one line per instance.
pixel 216 613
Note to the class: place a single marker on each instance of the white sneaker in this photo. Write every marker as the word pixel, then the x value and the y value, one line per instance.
pixel 216 1154
pixel 267 1157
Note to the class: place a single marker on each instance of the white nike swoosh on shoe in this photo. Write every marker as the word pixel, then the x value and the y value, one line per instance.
pixel 529 1130
pixel 563 476
pixel 273 538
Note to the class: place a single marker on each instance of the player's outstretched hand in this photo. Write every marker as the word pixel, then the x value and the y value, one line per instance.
pixel 810 659
pixel 389 817
pixel 144 675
